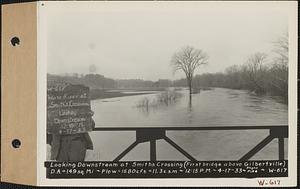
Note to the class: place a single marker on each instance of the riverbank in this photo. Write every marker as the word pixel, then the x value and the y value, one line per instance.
pixel 113 93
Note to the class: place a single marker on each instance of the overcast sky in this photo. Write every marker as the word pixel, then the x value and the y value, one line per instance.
pixel 137 40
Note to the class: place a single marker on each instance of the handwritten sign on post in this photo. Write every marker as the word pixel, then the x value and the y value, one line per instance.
pixel 68 109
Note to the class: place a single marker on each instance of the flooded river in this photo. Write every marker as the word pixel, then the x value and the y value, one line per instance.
pixel 217 107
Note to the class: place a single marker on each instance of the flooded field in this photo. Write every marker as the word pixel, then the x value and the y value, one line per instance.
pixel 217 107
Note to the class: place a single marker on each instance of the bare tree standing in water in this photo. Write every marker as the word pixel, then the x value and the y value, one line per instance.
pixel 187 60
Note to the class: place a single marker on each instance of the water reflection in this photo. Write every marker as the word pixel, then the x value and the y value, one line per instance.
pixel 190 111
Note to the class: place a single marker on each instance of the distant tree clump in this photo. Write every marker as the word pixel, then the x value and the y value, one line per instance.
pixel 255 72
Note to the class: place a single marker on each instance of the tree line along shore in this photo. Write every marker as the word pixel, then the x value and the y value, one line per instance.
pixel 266 79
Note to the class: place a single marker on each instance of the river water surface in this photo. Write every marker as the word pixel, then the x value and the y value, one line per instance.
pixel 217 107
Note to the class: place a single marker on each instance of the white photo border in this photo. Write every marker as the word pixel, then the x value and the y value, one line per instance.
pixel 43 12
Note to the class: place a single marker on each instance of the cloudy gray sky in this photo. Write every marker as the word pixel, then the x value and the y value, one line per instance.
pixel 137 40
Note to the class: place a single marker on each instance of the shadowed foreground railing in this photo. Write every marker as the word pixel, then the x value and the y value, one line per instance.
pixel 151 134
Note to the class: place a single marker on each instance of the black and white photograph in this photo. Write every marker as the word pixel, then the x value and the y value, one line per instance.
pixel 154 85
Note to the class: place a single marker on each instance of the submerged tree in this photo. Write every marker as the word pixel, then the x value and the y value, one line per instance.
pixel 187 60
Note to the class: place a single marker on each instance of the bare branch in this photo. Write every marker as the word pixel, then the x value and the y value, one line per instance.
pixel 188 59
pixel 282 49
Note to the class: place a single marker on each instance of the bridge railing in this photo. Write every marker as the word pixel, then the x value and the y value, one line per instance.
pixel 152 134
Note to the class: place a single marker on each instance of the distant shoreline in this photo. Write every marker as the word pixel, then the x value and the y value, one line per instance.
pixel 113 93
